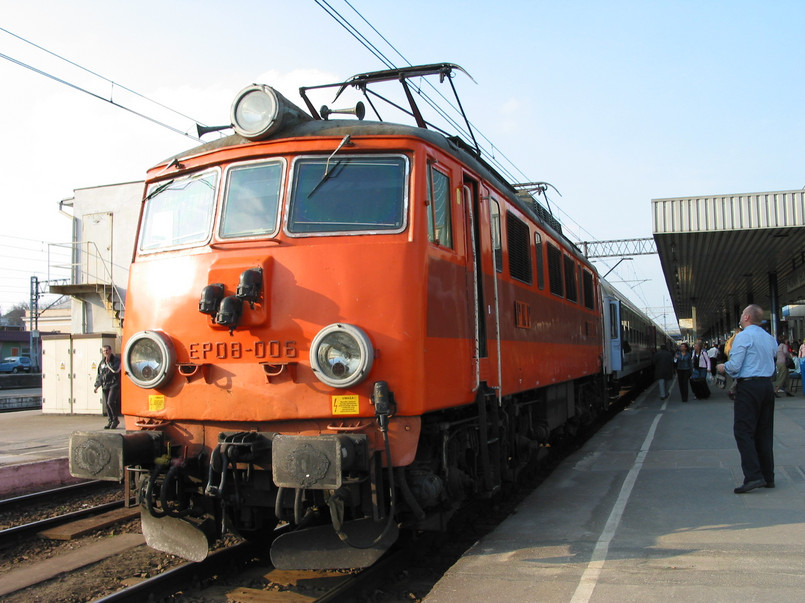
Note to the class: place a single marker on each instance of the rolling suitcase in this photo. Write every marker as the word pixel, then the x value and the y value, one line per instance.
pixel 699 388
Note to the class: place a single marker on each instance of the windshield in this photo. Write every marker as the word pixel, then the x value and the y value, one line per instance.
pixel 179 213
pixel 252 200
pixel 355 194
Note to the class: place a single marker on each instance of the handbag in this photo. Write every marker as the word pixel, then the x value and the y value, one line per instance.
pixel 789 363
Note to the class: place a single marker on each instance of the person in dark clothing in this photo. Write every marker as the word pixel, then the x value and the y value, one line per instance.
pixel 109 381
pixel 664 371
pixel 684 365
pixel 751 363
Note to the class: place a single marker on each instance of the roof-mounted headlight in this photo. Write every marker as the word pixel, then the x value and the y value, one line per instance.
pixel 258 111
pixel 149 359
pixel 341 355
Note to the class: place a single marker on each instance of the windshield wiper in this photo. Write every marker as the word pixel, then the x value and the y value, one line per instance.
pixel 327 173
pixel 159 189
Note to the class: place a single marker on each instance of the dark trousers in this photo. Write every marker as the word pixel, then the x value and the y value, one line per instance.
pixel 753 428
pixel 683 376
pixel 111 401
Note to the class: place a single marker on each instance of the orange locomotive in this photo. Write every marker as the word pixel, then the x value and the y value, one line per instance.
pixel 346 325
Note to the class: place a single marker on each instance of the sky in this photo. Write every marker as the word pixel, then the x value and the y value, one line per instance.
pixel 613 102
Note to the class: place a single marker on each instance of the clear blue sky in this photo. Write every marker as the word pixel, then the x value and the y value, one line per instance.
pixel 615 103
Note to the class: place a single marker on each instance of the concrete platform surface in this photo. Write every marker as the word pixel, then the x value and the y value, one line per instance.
pixel 645 511
pixel 34 448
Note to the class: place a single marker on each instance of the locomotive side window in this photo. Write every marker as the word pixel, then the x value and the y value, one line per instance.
pixel 589 302
pixel 519 248
pixel 555 270
pixel 348 194
pixel 494 225
pixel 178 213
pixel 570 279
pixel 540 267
pixel 252 200
pixel 440 228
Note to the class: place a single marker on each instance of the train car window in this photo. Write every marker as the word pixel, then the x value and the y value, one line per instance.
pixel 252 199
pixel 540 267
pixel 353 194
pixel 519 246
pixel 440 226
pixel 555 270
pixel 589 294
pixel 494 224
pixel 179 213
pixel 571 291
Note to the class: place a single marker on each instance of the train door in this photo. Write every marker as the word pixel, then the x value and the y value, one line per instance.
pixel 483 235
pixel 614 335
pixel 475 286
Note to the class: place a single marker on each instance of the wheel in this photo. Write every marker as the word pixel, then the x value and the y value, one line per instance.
pixel 15 370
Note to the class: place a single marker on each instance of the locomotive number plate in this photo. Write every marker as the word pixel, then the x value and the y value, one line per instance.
pixel 236 350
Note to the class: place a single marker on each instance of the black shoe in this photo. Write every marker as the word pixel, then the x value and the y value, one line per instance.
pixel 748 486
pixel 114 424
pixel 789 394
pixel 107 426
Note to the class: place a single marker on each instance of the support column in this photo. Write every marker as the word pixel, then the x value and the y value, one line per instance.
pixel 774 309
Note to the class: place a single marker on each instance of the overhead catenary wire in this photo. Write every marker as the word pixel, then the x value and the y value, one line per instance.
pixel 113 84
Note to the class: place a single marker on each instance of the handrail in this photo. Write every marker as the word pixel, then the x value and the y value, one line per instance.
pixel 86 267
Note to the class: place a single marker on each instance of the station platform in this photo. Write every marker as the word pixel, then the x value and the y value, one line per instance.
pixel 34 448
pixel 645 511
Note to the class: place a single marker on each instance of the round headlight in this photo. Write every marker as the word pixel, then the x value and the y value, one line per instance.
pixel 255 111
pixel 341 355
pixel 149 359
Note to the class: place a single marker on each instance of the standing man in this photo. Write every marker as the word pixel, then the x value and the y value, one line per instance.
pixel 712 353
pixel 751 363
pixel 664 370
pixel 109 382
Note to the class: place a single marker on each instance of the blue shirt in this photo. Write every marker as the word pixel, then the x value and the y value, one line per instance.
pixel 753 354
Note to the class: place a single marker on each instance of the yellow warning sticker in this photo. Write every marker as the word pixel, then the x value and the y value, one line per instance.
pixel 346 405
pixel 156 402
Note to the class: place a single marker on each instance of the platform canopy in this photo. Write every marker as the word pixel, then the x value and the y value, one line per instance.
pixel 720 253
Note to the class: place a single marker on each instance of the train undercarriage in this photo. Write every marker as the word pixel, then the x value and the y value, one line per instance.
pixel 342 503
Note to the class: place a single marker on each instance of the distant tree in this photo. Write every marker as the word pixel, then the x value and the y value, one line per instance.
pixel 16 316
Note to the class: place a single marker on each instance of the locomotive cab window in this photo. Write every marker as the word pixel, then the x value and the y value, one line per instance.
pixel 440 228
pixel 252 200
pixel 348 194
pixel 178 213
